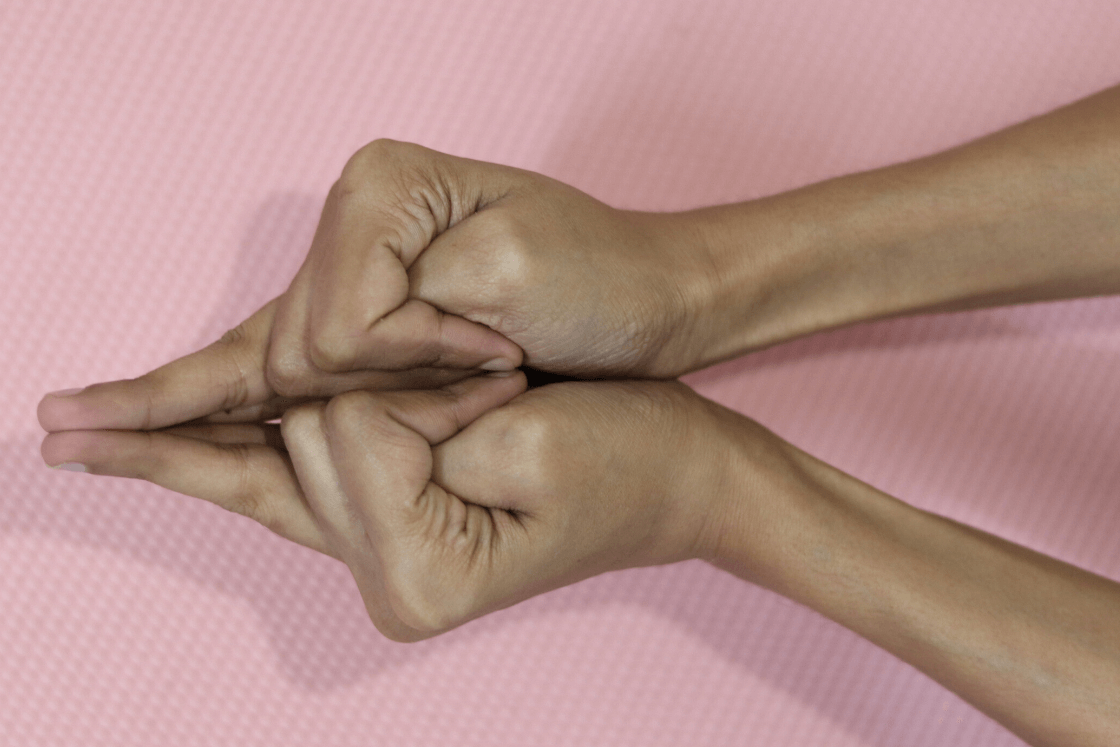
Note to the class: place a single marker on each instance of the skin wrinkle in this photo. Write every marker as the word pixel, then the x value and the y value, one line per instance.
pixel 239 392
pixel 148 409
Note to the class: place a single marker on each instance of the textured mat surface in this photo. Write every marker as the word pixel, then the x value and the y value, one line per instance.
pixel 163 165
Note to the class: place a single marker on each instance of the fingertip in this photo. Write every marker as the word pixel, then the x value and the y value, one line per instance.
pixel 63 447
pixel 59 411
pixel 516 381
pixel 503 381
pixel 467 344
pixel 499 364
pixel 350 412
pixel 43 414
pixel 511 357
pixel 46 450
pixel 479 394
pixel 96 407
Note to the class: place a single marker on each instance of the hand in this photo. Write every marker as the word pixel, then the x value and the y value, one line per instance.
pixel 408 233
pixel 423 269
pixel 443 507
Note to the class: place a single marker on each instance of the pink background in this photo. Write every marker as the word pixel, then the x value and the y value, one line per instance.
pixel 163 165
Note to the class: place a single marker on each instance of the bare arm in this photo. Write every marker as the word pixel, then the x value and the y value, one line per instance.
pixel 1030 213
pixel 1029 640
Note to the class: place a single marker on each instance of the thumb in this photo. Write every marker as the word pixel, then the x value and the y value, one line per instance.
pixel 361 418
pixel 372 450
pixel 380 443
pixel 416 539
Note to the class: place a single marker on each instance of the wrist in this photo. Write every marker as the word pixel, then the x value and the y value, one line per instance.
pixel 735 278
pixel 752 502
pixel 842 251
pixel 778 515
pixel 772 270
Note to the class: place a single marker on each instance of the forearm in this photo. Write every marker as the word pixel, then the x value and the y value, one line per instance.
pixel 1030 213
pixel 1029 640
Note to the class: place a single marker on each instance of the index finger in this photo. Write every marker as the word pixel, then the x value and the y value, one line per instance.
pixel 227 374
pixel 220 466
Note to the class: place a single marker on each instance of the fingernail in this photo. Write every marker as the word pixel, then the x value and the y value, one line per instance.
pixel 65 392
pixel 501 374
pixel 72 467
pixel 498 364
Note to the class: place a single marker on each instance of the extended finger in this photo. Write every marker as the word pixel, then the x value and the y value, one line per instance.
pixel 264 434
pixel 248 478
pixel 228 374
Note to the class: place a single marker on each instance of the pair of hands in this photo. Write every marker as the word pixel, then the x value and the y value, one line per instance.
pixel 450 491
pixel 409 447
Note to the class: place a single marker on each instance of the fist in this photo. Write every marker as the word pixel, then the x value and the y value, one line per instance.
pixel 443 514
pixel 423 260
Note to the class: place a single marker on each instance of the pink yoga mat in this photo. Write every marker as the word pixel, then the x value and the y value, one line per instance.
pixel 162 166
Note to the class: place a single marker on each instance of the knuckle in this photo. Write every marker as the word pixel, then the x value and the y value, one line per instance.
pixel 150 387
pixel 387 623
pixel 154 464
pixel 233 336
pixel 527 438
pixel 300 421
pixel 418 607
pixel 394 632
pixel 366 162
pixel 494 258
pixel 287 374
pixel 530 433
pixel 236 384
pixel 510 264
pixel 349 412
pixel 535 438
pixel 332 352
pixel 249 494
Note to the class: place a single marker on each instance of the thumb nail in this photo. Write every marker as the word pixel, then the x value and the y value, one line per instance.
pixel 498 364
pixel 71 467
pixel 65 392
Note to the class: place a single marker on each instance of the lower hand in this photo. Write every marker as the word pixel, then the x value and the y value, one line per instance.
pixel 445 508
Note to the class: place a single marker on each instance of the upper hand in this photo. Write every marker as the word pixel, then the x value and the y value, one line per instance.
pixel 425 269
pixel 581 288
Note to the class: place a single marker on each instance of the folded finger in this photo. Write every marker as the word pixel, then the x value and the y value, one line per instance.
pixel 358 311
pixel 335 511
